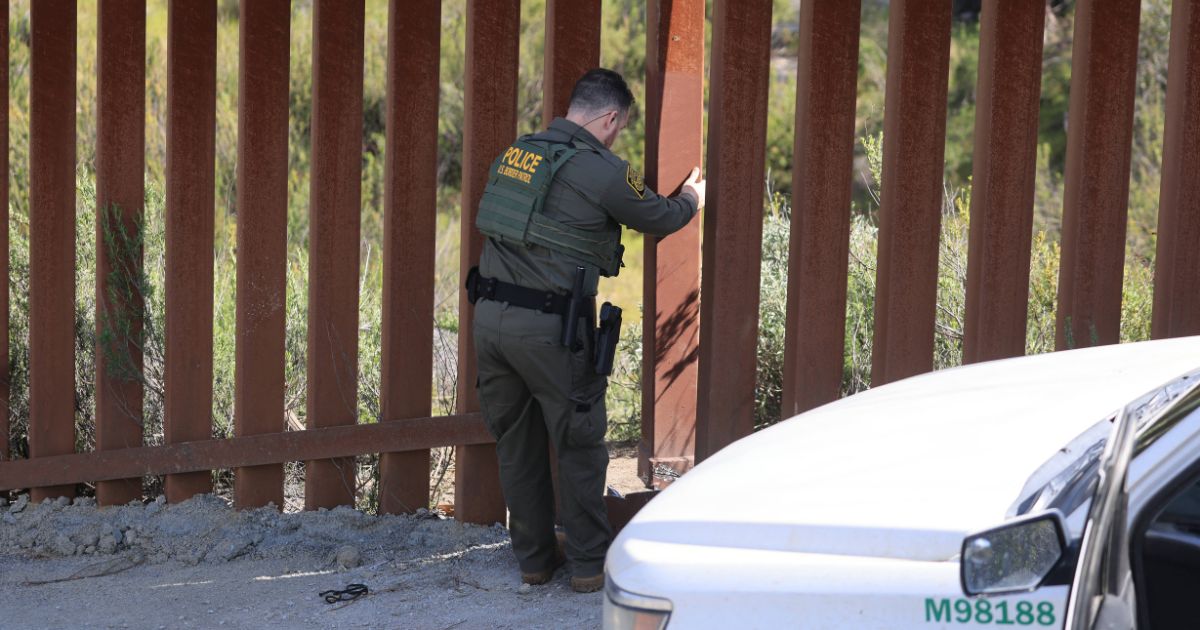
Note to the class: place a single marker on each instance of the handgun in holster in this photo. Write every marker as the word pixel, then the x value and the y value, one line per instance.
pixel 608 335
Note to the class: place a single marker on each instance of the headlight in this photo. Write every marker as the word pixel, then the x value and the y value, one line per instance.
pixel 629 611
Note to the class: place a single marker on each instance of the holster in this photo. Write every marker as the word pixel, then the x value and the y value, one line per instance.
pixel 608 336
pixel 473 285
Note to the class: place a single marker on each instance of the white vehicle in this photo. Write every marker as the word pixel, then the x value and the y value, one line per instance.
pixel 1059 490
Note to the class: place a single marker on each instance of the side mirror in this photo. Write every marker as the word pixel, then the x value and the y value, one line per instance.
pixel 1013 557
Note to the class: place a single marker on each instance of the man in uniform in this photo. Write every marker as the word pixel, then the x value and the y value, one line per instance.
pixel 553 211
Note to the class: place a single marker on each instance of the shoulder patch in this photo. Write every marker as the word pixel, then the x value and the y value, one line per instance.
pixel 635 181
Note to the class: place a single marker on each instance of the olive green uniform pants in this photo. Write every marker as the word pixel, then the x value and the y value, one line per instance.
pixel 536 393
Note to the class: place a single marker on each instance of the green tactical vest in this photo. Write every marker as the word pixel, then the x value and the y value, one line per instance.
pixel 511 208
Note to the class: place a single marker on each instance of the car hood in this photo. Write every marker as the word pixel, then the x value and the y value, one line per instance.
pixel 907 469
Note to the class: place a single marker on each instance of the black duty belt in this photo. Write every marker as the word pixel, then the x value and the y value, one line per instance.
pixel 482 288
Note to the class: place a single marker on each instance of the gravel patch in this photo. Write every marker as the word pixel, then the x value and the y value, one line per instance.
pixel 203 564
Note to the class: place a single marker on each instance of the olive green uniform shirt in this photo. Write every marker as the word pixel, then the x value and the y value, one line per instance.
pixel 595 190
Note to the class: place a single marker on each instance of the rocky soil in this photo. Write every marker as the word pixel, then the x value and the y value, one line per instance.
pixel 201 564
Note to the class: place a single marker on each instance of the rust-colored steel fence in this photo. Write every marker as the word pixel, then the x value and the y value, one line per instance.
pixel 699 336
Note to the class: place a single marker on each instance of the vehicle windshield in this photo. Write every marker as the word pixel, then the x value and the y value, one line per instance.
pixel 1073 471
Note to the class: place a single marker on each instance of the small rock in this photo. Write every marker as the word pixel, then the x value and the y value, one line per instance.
pixel 130 537
pixel 89 550
pixel 524 588
pixel 347 557
pixel 62 546
pixel 85 501
pixel 20 505
pixel 160 499
pixel 89 539
pixel 228 550
pixel 47 501
pixel 62 501
pixel 107 544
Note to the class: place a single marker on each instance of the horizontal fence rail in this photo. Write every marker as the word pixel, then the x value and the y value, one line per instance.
pixel 251 450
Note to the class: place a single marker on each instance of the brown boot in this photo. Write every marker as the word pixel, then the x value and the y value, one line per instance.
pixel 587 584
pixel 541 577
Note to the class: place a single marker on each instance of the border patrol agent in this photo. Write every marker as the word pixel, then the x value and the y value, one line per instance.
pixel 552 211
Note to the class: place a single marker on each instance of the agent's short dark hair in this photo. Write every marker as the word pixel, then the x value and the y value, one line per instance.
pixel 601 90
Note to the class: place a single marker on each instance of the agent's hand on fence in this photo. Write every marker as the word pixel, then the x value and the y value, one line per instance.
pixel 694 186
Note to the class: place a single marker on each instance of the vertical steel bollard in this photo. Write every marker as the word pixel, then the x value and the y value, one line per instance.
pixel 262 177
pixel 410 234
pixel 671 289
pixel 1006 126
pixel 191 120
pixel 120 191
pixel 1177 263
pixel 737 138
pixel 334 217
pixel 1096 199
pixel 493 31
pixel 826 91
pixel 914 124
pixel 52 235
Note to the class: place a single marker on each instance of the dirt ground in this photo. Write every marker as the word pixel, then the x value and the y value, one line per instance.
pixel 201 564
